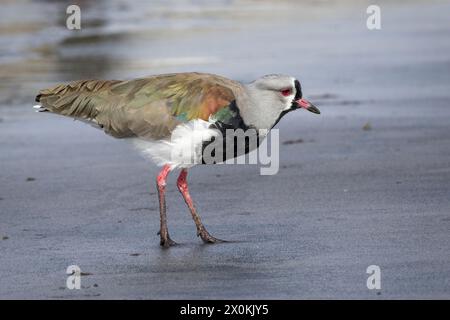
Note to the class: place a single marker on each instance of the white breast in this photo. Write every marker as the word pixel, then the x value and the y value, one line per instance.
pixel 183 149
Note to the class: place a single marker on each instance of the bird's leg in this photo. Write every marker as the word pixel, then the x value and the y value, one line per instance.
pixel 201 230
pixel 161 185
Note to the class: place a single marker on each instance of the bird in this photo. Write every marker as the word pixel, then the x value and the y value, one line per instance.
pixel 174 117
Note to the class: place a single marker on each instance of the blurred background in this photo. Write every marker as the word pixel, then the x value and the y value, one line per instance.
pixel 367 182
pixel 316 41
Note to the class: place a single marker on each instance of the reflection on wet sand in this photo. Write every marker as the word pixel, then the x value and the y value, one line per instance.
pixel 123 40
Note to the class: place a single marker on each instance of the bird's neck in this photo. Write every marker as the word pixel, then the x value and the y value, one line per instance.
pixel 254 109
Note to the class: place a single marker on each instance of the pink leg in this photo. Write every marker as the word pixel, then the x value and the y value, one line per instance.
pixel 201 230
pixel 161 185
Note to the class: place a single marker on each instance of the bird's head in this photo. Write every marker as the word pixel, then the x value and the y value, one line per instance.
pixel 270 98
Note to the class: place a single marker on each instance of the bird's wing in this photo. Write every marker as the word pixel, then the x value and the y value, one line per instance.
pixel 149 108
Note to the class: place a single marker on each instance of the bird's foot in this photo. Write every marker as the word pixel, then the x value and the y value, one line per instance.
pixel 207 238
pixel 166 242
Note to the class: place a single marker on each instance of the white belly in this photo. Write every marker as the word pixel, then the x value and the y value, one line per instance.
pixel 183 149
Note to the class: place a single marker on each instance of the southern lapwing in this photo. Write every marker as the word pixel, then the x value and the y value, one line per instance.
pixel 171 114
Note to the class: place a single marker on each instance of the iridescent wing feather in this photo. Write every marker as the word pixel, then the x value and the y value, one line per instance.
pixel 149 108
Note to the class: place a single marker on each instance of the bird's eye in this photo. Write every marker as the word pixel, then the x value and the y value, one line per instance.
pixel 286 92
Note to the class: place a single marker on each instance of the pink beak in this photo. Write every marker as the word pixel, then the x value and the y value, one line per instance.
pixel 305 104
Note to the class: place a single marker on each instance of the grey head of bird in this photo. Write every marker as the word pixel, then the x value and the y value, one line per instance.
pixel 269 98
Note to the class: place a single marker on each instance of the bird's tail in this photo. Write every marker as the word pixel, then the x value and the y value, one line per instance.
pixel 39 108
pixel 78 99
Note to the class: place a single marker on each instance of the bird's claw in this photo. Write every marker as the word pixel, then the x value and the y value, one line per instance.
pixel 207 238
pixel 166 243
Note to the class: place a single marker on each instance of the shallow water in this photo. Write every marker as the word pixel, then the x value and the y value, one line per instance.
pixel 120 40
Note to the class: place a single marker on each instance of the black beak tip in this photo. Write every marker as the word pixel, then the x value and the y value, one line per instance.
pixel 313 109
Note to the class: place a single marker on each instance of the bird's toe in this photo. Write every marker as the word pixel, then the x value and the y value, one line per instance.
pixel 207 238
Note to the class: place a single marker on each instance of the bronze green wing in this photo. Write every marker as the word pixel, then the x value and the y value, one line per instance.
pixel 149 108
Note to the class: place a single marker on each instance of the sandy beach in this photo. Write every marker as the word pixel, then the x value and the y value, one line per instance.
pixel 365 183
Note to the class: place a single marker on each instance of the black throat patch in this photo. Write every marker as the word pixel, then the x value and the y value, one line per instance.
pixel 235 122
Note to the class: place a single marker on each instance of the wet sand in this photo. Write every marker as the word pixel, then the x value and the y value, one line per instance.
pixel 365 183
